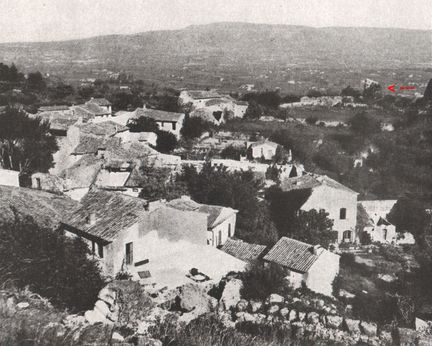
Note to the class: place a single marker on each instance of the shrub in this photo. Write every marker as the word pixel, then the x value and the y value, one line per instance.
pixel 311 120
pixel 143 124
pixel 232 152
pixel 166 142
pixel 381 310
pixel 259 281
pixel 194 127
pixel 347 259
pixel 53 265
pixel 122 275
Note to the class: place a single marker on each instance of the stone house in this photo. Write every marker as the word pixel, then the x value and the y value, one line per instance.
pixel 372 219
pixel 311 264
pixel 212 106
pixel 339 201
pixel 133 235
pixel 220 220
pixel 262 149
pixel 96 109
pixel 167 121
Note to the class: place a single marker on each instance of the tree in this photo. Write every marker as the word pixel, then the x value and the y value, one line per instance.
pixel 363 124
pixel 372 92
pixel 55 266
pixel 259 281
pixel 237 190
pixel 25 143
pixel 312 226
pixel 143 124
pixel 410 215
pixel 349 91
pixel 35 81
pixel 254 111
pixel 61 91
pixel 314 93
pixel 194 127
pixel 428 91
pixel 166 141
pixel 233 153
pixel 157 183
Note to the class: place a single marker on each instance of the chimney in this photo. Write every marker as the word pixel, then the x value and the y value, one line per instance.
pixel 316 249
pixel 92 218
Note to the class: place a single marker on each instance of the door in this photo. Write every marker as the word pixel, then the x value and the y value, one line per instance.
pixel 129 253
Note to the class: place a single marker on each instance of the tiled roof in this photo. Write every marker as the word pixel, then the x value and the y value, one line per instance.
pixel 130 151
pixel 91 108
pixel 257 144
pixel 244 251
pixel 53 108
pixel 213 211
pixel 310 181
pixel 82 173
pixel 136 178
pixel 292 254
pixel 203 94
pixel 100 102
pixel 159 115
pixel 105 128
pixel 113 212
pixel 91 144
pixel 47 209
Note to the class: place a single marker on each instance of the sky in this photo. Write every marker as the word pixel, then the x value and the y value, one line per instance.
pixel 47 20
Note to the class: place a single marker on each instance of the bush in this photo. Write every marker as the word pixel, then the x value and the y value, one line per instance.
pixel 207 330
pixel 232 152
pixel 143 124
pixel 166 142
pixel 311 120
pixel 382 310
pixel 53 265
pixel 123 276
pixel 194 127
pixel 347 259
pixel 259 281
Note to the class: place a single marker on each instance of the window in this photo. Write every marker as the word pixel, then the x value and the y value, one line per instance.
pixel 229 230
pixel 347 236
pixel 129 253
pixel 342 213
pixel 174 126
pixel 100 250
pixel 38 183
pixel 220 238
pixel 385 234
pixel 93 250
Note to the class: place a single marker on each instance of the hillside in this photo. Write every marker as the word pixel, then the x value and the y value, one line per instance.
pixel 233 52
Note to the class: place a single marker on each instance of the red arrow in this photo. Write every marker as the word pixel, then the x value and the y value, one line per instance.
pixel 392 88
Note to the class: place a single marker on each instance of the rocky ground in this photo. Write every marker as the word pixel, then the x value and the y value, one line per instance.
pixel 127 314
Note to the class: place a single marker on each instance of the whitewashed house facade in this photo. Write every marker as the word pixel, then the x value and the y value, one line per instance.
pixel 339 201
pixel 313 265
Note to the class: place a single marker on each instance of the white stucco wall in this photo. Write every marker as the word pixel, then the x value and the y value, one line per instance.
pixel 320 276
pixel 295 279
pixel 332 200
pixel 266 150
pixel 382 234
pixel 219 234
pixel 77 194
pixel 9 177
pixel 168 126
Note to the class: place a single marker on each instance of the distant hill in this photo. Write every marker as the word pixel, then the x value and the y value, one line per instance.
pixel 232 46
